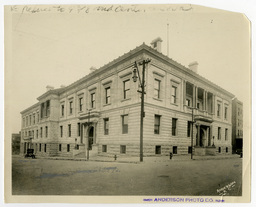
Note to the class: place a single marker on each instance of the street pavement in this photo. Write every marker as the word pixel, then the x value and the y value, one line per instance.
pixel 215 175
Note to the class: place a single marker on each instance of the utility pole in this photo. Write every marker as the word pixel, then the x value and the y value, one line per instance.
pixel 88 135
pixel 142 85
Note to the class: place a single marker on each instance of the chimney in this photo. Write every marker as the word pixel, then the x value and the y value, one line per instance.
pixel 156 44
pixel 92 69
pixel 193 66
pixel 48 88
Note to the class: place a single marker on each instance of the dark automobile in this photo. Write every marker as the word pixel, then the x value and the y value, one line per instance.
pixel 239 152
pixel 30 153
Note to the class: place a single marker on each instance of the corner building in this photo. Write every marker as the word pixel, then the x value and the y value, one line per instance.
pixel 100 113
pixel 237 125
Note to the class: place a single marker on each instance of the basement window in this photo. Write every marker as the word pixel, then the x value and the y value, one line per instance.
pixel 158 150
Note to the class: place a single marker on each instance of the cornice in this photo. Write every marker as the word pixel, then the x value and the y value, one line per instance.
pixel 29 108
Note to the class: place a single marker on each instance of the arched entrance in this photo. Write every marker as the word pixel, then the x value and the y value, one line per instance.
pixel 90 137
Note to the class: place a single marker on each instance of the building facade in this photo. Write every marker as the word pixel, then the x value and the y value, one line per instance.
pixel 100 113
pixel 237 125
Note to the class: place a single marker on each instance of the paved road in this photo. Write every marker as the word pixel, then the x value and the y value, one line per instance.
pixel 65 177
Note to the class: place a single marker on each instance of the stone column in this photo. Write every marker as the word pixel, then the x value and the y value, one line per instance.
pixel 94 132
pixel 184 92
pixel 198 135
pixel 203 108
pixel 213 104
pixel 195 96
pixel 207 137
pixel 206 101
pixel 210 138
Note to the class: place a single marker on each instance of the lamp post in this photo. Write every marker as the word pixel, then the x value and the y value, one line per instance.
pixel 142 85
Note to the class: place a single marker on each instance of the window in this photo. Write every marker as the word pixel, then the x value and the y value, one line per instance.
pixel 157 124
pixel 61 131
pixel 219 133
pixel 126 89
pixel 219 149
pixel 125 124
pixel 157 88
pixel 226 134
pixel 188 102
pixel 198 105
pixel 189 150
pixel 107 93
pixel 93 100
pixel 175 150
pixel 226 113
pixel 41 132
pixel 36 133
pixel 81 104
pixel 23 122
pixel 70 107
pixel 123 149
pixel 68 147
pixel 30 120
pixel 174 126
pixel 104 148
pixel 62 109
pixel 69 130
pixel 227 149
pixel 47 108
pixel 106 126
pixel 34 118
pixel 26 121
pixel 78 129
pixel 218 110
pixel 158 150
pixel 44 147
pixel 46 131
pixel 60 147
pixel 189 127
pixel 40 147
pixel 174 95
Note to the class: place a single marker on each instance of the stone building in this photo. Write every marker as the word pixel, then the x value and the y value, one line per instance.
pixel 100 113
pixel 237 125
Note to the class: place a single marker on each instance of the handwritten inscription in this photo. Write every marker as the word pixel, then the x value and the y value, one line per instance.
pixel 79 9
pixel 224 191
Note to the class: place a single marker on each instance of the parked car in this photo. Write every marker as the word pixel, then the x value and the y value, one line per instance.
pixel 239 152
pixel 30 153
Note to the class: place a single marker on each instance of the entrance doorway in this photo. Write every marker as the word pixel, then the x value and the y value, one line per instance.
pixel 201 138
pixel 90 137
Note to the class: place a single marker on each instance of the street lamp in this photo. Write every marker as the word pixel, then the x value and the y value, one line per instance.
pixel 142 85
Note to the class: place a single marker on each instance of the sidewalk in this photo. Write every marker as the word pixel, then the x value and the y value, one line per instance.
pixel 158 159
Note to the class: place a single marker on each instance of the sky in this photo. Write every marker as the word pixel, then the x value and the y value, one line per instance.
pixel 57 48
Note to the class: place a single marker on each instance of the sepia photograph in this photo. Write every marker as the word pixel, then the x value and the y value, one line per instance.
pixel 140 103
